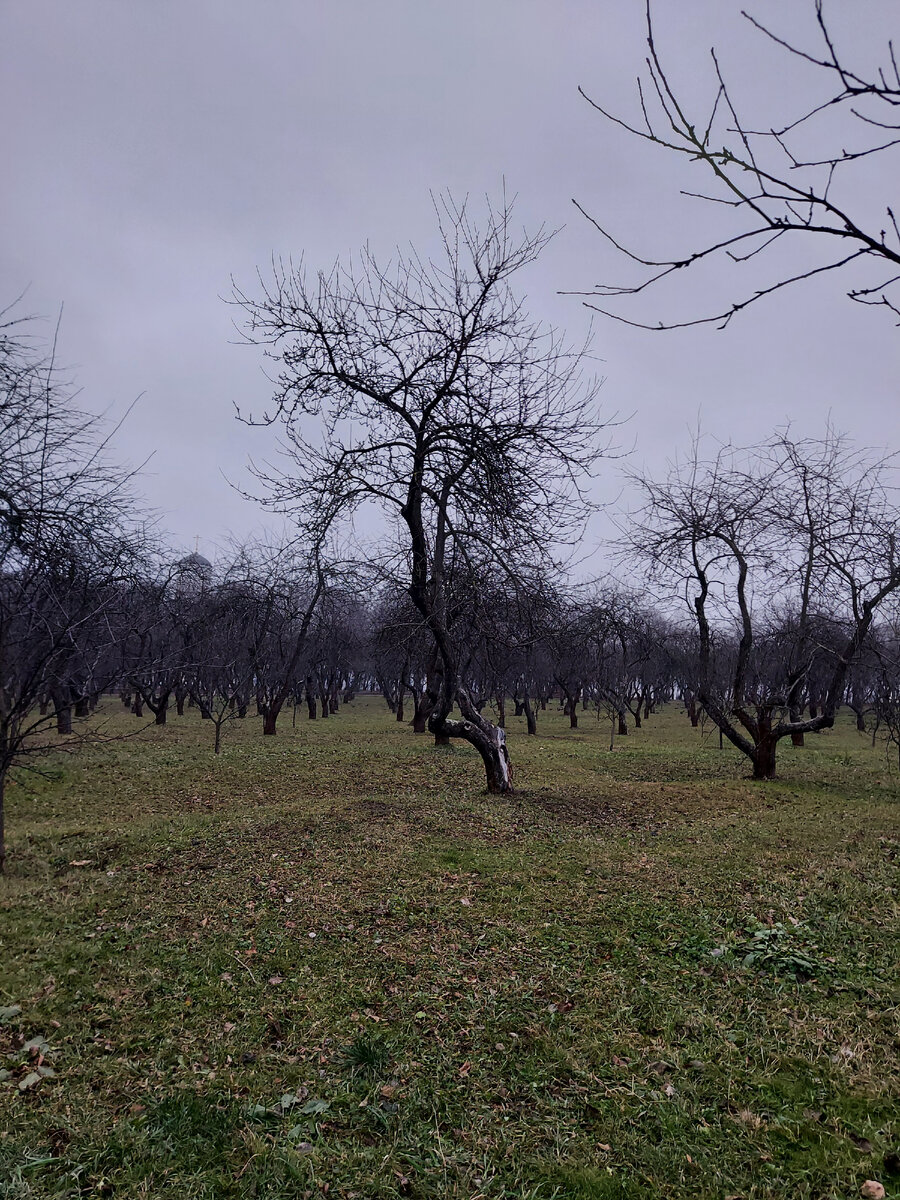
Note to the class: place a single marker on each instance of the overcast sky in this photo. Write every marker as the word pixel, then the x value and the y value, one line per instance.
pixel 156 148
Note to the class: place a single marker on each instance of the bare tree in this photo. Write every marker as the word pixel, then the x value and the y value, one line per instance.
pixel 809 525
pixel 220 670
pixel 777 183
pixel 886 699
pixel 441 403
pixel 69 540
pixel 286 584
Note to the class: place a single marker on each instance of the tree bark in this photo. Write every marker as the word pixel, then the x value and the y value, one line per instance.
pixel 63 712
pixel 490 742
pixel 421 714
pixel 530 719
pixel 764 758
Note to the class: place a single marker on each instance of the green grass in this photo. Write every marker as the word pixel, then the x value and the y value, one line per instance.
pixel 328 963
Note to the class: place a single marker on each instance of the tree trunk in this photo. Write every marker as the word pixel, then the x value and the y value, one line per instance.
pixel 501 710
pixel 270 719
pixel 764 758
pixel 490 742
pixel 323 701
pixel 400 695
pixel 63 716
pixel 2 822
pixel 162 709
pixel 421 713
pixel 138 706
pixel 496 764
pixel 623 723
pixel 218 745
pixel 82 707
pixel 530 719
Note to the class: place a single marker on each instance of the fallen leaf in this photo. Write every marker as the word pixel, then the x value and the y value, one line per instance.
pixel 659 1067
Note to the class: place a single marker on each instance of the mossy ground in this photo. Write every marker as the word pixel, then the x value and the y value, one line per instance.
pixel 328 963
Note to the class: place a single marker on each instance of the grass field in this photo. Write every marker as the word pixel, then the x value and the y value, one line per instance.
pixel 327 964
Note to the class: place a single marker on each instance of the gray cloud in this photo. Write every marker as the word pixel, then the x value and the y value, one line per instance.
pixel 153 150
